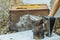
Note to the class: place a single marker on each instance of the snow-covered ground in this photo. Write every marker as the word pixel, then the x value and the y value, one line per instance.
pixel 26 35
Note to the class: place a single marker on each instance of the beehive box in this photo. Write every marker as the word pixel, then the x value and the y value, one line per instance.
pixel 34 9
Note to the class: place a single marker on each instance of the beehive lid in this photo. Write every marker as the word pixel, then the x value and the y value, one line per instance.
pixel 30 7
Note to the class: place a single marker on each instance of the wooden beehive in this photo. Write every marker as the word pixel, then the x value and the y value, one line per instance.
pixel 34 9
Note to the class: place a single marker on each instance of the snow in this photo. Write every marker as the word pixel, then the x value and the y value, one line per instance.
pixel 25 35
